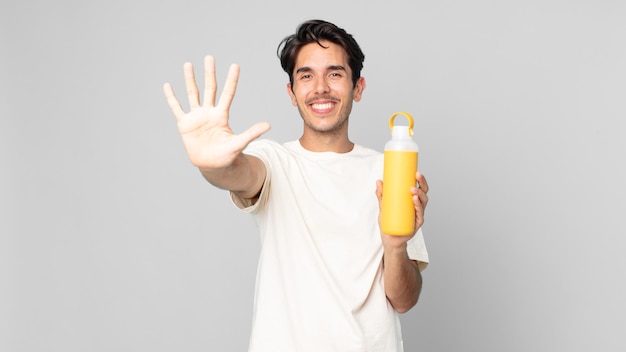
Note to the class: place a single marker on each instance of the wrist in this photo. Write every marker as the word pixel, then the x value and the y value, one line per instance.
pixel 393 248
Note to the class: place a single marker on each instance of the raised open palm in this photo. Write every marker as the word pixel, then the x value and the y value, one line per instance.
pixel 206 135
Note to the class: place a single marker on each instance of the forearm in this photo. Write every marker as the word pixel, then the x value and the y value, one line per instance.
pixel 403 281
pixel 245 176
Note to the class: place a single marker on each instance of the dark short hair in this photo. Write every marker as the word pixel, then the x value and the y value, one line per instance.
pixel 314 31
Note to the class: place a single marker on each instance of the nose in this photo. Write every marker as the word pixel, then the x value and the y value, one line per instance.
pixel 321 85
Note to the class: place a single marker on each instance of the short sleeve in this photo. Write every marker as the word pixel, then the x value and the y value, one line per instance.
pixel 416 249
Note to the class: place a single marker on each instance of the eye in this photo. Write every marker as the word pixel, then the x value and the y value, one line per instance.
pixel 306 76
pixel 335 75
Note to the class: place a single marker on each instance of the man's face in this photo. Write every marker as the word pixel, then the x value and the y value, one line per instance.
pixel 322 87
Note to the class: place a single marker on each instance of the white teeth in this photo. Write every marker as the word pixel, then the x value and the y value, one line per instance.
pixel 322 106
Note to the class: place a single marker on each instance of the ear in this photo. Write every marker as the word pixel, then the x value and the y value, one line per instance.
pixel 292 95
pixel 357 92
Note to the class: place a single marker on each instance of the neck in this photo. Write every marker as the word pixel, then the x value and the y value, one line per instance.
pixel 323 142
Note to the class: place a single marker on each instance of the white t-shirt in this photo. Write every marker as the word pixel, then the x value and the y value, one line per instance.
pixel 319 282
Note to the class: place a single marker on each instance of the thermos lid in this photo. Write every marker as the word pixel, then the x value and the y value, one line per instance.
pixel 401 131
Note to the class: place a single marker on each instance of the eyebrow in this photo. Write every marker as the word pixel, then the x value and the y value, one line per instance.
pixel 329 68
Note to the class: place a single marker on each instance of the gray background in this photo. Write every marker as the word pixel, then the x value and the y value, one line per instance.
pixel 111 240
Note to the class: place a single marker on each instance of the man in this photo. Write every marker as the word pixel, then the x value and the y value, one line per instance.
pixel 328 279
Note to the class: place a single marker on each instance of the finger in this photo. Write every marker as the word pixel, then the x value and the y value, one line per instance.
pixel 251 134
pixel 210 83
pixel 421 181
pixel 172 101
pixel 419 211
pixel 190 84
pixel 422 197
pixel 379 194
pixel 226 98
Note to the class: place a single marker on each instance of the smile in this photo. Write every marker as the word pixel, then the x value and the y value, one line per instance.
pixel 325 106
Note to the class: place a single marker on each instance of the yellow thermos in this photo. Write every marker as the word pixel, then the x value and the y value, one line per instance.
pixel 398 211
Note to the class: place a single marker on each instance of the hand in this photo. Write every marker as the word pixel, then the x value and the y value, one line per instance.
pixel 206 135
pixel 420 200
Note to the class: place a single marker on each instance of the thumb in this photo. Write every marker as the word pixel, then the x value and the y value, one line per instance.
pixel 252 133
pixel 379 193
